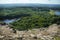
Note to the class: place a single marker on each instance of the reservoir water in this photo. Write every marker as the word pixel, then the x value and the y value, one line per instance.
pixel 12 20
pixel 57 12
pixel 9 20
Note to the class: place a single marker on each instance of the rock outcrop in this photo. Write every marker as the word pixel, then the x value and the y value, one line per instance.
pixel 7 33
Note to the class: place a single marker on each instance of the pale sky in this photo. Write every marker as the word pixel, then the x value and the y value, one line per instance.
pixel 30 1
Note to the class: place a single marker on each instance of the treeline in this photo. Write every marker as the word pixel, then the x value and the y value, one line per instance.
pixel 10 13
pixel 30 17
pixel 27 23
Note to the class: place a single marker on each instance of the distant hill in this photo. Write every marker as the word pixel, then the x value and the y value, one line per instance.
pixel 30 5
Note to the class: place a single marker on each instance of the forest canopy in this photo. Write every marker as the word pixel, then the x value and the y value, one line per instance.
pixel 29 17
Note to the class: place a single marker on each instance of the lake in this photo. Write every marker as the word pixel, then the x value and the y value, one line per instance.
pixel 12 20
pixel 57 12
pixel 9 20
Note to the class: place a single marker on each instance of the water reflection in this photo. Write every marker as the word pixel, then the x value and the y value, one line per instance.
pixel 12 20
pixel 9 20
pixel 57 12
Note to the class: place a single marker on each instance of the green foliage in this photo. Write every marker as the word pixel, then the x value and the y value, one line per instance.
pixel 36 20
pixel 30 17
pixel 56 38
pixel 52 12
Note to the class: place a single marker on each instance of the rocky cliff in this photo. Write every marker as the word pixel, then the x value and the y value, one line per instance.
pixel 7 33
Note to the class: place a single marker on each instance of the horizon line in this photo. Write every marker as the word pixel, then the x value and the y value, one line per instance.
pixel 29 3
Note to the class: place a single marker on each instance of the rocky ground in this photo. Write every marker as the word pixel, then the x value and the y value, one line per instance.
pixel 7 33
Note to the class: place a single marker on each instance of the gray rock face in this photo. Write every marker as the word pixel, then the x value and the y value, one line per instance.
pixel 7 33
